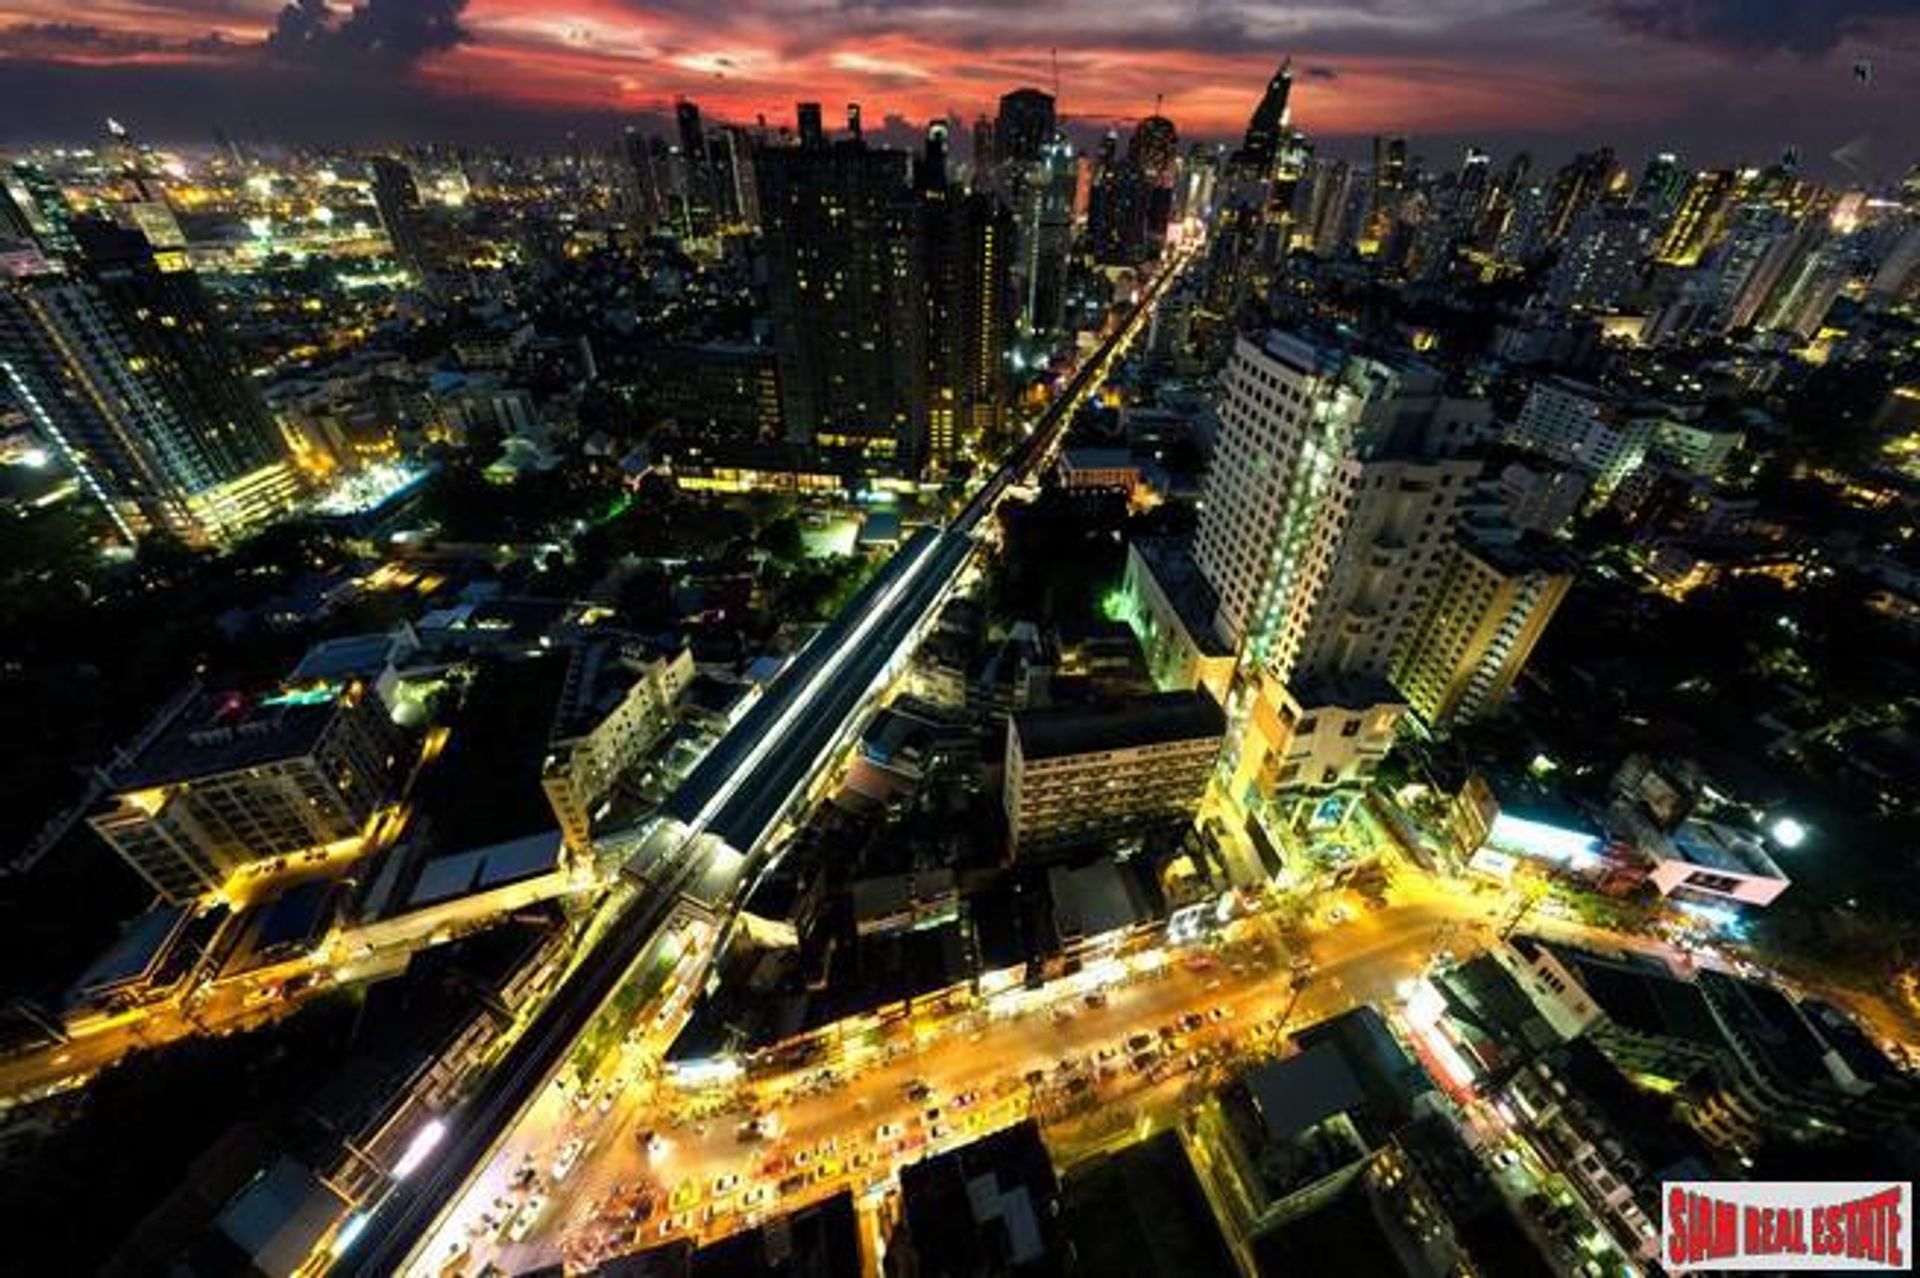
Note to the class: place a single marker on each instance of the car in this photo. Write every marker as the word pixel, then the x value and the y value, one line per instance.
pixel 755 1197
pixel 1137 1043
pixel 723 1184
pixel 685 1194
pixel 965 1099
pixel 1218 1014
pixel 568 1158
pixel 917 1090
pixel 802 1157
pixel 524 1222
pixel 793 1184
pixel 677 1224
pixel 1107 1053
pixel 1035 1077
pixel 933 1114
pixel 1095 999
pixel 1192 1021
pixel 884 1133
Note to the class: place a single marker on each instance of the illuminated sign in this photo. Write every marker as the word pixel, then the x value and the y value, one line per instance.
pixel 1546 842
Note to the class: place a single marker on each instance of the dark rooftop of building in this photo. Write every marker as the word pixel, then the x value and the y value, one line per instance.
pixel 218 732
pixel 821 1241
pixel 983 1210
pixel 1343 1236
pixel 1639 997
pixel 1155 719
pixel 1390 1079
pixel 1170 560
pixel 1302 1091
pixel 1141 1212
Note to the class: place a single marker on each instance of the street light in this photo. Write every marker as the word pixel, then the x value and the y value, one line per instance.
pixel 1788 833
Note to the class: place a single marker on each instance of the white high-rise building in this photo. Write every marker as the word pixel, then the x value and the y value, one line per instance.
pixel 1573 422
pixel 1332 498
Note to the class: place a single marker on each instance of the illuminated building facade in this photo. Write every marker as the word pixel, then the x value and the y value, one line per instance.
pixel 1490 606
pixel 1331 497
pixel 617 701
pixel 1083 772
pixel 228 780
pixel 119 362
pixel 846 291
pixel 970 248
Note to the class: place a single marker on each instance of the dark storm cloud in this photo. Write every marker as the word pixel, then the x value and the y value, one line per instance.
pixel 394 34
pixel 1809 28
pixel 82 40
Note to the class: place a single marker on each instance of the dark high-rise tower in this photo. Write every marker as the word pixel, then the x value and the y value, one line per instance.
pixel 1268 127
pixel 398 201
pixel 119 363
pixel 1154 147
pixel 970 247
pixel 640 178
pixel 847 295
pixel 1025 125
pixel 1578 185
pixel 697 184
pixel 812 132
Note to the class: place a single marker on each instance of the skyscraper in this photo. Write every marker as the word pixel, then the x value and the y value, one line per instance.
pixel 1118 215
pixel 32 207
pixel 1698 217
pixel 846 286
pixel 121 366
pixel 640 179
pixel 397 200
pixel 1604 258
pixel 1025 125
pixel 696 168
pixel 1581 182
pixel 1335 483
pixel 1045 228
pixel 1154 148
pixel 1267 129
pixel 969 240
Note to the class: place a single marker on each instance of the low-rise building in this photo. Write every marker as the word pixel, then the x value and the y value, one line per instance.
pixel 1082 772
pixel 1171 608
pixel 231 779
pixel 618 699
pixel 1311 747
pixel 1710 861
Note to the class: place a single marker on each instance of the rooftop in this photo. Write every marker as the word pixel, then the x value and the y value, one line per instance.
pixel 1159 718
pixel 1714 846
pixel 1170 560
pixel 219 732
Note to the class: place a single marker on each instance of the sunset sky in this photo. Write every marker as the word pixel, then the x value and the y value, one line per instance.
pixel 1553 74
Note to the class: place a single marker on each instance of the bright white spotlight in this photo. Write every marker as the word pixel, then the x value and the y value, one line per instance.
pixel 1788 833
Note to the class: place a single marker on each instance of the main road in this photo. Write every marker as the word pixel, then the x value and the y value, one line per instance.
pixel 736 797
pixel 1131 1051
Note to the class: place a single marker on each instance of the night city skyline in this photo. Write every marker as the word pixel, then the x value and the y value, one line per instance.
pixel 959 639
pixel 1729 80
